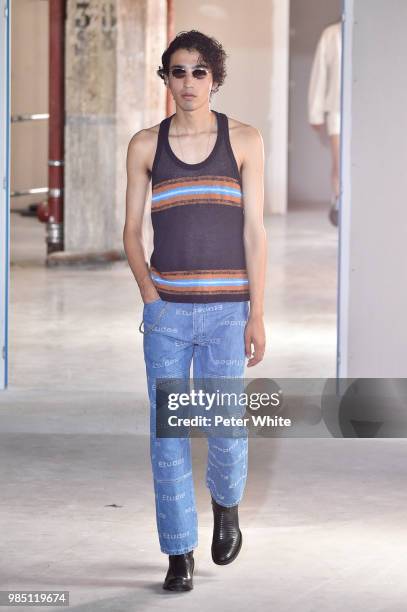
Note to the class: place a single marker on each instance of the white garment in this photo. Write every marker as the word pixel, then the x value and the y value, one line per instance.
pixel 324 92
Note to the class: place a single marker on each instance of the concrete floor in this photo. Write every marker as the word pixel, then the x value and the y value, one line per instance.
pixel 323 519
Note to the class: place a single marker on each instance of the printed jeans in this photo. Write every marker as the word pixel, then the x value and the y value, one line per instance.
pixel 211 336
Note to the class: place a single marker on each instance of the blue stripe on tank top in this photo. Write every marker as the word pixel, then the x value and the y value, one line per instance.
pixel 209 283
pixel 192 190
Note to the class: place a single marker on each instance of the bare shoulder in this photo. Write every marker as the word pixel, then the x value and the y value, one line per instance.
pixel 246 141
pixel 143 144
pixel 244 131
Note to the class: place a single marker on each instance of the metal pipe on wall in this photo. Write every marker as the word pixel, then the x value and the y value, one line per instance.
pixel 170 35
pixel 56 123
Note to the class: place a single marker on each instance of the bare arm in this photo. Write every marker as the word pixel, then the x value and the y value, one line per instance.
pixel 138 180
pixel 255 241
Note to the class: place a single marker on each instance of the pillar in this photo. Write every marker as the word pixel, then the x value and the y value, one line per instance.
pixel 112 51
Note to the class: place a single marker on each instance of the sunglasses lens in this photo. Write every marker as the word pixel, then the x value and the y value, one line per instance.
pixel 200 73
pixel 178 73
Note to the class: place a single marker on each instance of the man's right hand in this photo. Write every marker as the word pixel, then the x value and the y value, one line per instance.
pixel 150 295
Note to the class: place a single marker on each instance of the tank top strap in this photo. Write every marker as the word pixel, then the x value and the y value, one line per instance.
pixel 165 128
pixel 223 125
pixel 161 143
pixel 226 146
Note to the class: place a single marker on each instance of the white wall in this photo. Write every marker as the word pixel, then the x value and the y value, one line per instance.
pixel 373 293
pixel 245 29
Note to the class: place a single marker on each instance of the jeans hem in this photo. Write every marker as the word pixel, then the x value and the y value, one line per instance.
pixel 180 551
pixel 222 503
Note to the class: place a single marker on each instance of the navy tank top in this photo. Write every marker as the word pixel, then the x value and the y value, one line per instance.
pixel 197 216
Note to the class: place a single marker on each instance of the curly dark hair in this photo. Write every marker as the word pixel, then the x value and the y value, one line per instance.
pixel 210 50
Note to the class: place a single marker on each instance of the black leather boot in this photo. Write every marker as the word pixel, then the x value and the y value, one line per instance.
pixel 227 537
pixel 180 572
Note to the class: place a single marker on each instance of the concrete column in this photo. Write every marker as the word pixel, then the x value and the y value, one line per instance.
pixel 112 51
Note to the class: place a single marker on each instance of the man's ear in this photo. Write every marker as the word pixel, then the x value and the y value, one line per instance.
pixel 215 88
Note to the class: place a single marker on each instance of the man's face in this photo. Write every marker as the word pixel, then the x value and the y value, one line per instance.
pixel 189 92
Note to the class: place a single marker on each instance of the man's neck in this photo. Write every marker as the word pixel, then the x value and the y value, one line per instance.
pixel 193 122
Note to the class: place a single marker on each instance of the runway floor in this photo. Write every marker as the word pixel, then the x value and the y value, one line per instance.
pixel 323 519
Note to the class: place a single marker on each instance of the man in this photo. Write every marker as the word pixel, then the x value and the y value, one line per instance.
pixel 324 101
pixel 208 263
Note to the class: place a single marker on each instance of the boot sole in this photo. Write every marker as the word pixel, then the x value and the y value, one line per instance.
pixel 231 559
pixel 178 588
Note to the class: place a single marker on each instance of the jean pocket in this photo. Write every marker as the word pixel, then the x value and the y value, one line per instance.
pixel 151 316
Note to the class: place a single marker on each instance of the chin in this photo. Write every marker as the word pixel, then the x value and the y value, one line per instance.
pixel 187 103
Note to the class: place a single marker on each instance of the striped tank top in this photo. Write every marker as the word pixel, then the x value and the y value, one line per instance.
pixel 197 217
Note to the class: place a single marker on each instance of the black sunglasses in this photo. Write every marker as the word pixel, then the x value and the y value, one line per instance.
pixel 197 73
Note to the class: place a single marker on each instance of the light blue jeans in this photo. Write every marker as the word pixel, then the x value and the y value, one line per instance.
pixel 211 336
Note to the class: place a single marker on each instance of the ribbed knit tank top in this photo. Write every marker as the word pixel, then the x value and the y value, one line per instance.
pixel 197 216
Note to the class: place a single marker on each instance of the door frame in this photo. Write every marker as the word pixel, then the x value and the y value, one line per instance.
pixel 345 198
pixel 5 188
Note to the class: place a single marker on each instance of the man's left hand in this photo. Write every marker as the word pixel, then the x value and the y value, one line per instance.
pixel 255 335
